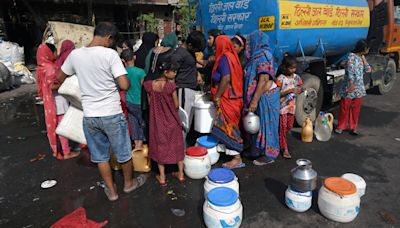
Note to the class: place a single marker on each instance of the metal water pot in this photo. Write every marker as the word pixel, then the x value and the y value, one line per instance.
pixel 251 123
pixel 303 178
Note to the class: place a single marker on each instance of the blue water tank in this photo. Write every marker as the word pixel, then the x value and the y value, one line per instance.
pixel 309 27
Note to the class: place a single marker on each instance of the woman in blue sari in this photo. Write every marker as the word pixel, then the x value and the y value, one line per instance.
pixel 261 95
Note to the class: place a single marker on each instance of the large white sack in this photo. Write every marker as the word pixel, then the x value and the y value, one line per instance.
pixel 6 51
pixel 71 91
pixel 17 54
pixel 71 125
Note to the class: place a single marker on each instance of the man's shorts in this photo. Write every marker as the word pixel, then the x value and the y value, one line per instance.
pixel 106 131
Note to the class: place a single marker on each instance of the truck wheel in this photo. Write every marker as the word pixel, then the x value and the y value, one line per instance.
pixel 309 102
pixel 388 78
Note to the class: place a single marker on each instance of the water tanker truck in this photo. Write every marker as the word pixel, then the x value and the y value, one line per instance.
pixel 320 33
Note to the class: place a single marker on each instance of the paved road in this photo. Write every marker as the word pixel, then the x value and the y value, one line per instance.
pixel 374 155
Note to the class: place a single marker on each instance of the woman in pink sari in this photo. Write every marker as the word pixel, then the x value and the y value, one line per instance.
pixel 47 68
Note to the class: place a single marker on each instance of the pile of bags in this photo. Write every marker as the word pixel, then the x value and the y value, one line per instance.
pixel 13 58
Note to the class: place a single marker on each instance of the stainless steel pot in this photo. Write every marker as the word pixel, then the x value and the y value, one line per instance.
pixel 251 123
pixel 303 178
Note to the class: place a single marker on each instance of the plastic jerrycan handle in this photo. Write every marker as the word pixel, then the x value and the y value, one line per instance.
pixel 330 118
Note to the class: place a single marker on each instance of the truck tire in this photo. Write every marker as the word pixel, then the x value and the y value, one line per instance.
pixel 309 102
pixel 388 79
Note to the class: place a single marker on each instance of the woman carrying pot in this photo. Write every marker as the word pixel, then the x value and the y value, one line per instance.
pixel 261 95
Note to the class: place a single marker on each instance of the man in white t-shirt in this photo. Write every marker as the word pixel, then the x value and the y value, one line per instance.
pixel 99 69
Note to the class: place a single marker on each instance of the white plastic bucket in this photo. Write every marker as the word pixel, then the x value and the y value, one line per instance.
pixel 204 114
pixel 71 126
pixel 211 144
pixel 220 177
pixel 298 201
pixel 222 216
pixel 339 208
pixel 358 181
pixel 196 167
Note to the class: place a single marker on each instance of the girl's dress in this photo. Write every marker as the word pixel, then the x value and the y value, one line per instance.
pixel 166 137
pixel 350 104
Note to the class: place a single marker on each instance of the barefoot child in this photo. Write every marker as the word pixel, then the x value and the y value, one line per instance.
pixel 290 84
pixel 133 97
pixel 166 138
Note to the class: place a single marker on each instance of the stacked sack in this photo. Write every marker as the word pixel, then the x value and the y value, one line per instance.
pixel 12 56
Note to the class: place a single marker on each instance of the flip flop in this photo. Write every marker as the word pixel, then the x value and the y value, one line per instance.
pixel 108 193
pixel 237 166
pixel 286 154
pixel 140 180
pixel 176 175
pixel 259 163
pixel 162 183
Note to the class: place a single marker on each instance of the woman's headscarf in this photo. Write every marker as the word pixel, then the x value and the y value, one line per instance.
pixel 258 51
pixel 67 47
pixel 224 47
pixel 148 42
pixel 170 40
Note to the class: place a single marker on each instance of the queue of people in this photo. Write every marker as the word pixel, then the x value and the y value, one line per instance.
pixel 158 80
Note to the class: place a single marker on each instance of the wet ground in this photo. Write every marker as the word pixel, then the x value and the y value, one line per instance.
pixel 375 155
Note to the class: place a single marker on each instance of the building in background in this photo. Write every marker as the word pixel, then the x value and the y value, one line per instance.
pixel 23 21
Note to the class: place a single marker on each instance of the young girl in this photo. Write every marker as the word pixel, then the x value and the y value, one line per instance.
pixel 239 42
pixel 290 84
pixel 166 139
pixel 353 89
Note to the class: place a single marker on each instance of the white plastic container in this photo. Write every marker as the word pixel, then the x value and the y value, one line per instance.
pixel 298 201
pixel 204 114
pixel 222 208
pixel 71 91
pixel 210 143
pixel 339 207
pixel 71 126
pixel 196 163
pixel 358 181
pixel 221 177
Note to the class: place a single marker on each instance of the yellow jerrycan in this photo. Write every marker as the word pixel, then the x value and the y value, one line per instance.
pixel 141 160
pixel 307 132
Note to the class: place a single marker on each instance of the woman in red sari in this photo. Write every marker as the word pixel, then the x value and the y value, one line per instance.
pixel 227 92
pixel 48 70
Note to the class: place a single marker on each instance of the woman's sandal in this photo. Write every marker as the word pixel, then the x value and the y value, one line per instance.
pixel 162 183
pixel 180 179
pixel 286 154
pixel 139 182
pixel 263 161
pixel 236 166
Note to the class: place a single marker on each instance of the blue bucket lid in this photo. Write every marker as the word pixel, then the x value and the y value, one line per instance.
pixel 207 141
pixel 222 196
pixel 221 175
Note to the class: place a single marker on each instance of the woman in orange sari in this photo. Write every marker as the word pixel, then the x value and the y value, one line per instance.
pixel 227 93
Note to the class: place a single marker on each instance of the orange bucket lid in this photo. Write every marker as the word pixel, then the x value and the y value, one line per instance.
pixel 340 186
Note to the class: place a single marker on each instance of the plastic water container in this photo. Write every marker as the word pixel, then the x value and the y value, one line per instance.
pixel 71 91
pixel 338 200
pixel 196 163
pixel 221 177
pixel 222 209
pixel 298 201
pixel 204 114
pixel 71 126
pixel 358 181
pixel 210 143
pixel 322 131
